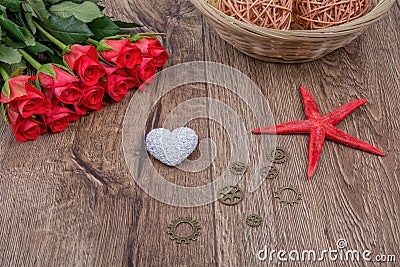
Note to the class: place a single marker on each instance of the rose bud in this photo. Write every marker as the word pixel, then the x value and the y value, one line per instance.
pixel 145 71
pixel 25 97
pixel 62 86
pixel 24 128
pixel 118 83
pixel 83 60
pixel 92 99
pixel 123 53
pixel 152 48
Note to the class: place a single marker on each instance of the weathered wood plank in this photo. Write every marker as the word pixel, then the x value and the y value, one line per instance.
pixel 106 213
pixel 184 41
pixel 69 200
pixel 344 199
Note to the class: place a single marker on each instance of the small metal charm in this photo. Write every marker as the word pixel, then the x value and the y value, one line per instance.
pixel 231 195
pixel 278 155
pixel 269 172
pixel 254 220
pixel 184 220
pixel 239 168
pixel 291 202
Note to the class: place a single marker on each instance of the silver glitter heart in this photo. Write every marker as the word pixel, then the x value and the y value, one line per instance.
pixel 171 148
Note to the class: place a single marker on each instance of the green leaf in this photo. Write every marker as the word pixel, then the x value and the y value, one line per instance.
pixel 39 48
pixel 18 72
pixel 3 11
pixel 17 45
pixel 9 55
pixel 20 33
pixel 11 68
pixel 69 30
pixel 52 2
pixel 103 27
pixel 75 1
pixel 137 37
pixel 12 5
pixel 39 8
pixel 4 112
pixel 29 17
pixel 102 46
pixel 47 69
pixel 86 12
pixel 127 25
pixel 28 37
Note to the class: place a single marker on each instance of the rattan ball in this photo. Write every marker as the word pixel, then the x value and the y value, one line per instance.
pixel 275 14
pixel 319 14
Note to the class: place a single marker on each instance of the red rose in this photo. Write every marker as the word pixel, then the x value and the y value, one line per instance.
pixel 84 61
pixel 152 48
pixel 25 97
pixel 92 99
pixel 118 83
pixel 124 54
pixel 24 128
pixel 62 86
pixel 144 72
pixel 59 117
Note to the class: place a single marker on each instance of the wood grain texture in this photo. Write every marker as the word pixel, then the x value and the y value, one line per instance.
pixel 342 199
pixel 69 200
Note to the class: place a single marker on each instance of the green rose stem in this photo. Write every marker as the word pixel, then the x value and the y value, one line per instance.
pixel 57 42
pixel 30 59
pixel 92 42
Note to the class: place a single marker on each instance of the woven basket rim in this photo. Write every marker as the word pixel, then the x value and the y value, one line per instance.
pixel 353 26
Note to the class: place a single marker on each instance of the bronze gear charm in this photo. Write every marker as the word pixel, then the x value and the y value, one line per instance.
pixel 231 195
pixel 184 220
pixel 278 155
pixel 269 173
pixel 254 220
pixel 291 202
pixel 239 168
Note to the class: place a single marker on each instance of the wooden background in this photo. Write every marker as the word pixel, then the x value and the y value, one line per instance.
pixel 68 199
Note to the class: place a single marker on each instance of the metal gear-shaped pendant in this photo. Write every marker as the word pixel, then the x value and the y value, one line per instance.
pixel 278 155
pixel 291 202
pixel 254 220
pixel 231 195
pixel 269 172
pixel 239 168
pixel 186 239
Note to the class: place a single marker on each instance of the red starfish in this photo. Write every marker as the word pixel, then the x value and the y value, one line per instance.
pixel 321 127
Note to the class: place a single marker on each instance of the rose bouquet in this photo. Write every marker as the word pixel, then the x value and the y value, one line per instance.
pixel 87 60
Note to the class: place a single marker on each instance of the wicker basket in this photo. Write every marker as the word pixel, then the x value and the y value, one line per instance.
pixel 291 46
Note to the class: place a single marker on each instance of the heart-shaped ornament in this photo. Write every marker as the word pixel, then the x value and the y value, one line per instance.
pixel 171 148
